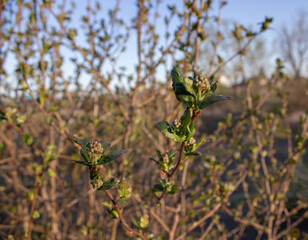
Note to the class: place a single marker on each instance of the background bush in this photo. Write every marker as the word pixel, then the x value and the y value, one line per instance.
pixel 59 80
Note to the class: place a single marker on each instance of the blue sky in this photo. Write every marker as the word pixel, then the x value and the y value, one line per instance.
pixel 246 12
pixel 253 11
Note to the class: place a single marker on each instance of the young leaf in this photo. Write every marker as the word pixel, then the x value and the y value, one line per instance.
pixel 107 205
pixel 85 156
pixel 110 183
pixel 168 130
pixel 83 163
pixel 213 85
pixel 191 130
pixel 193 154
pixel 122 202
pixel 105 146
pixel 82 143
pixel 174 188
pixel 50 153
pixel 185 120
pixel 180 91
pixel 112 212
pixel 109 157
pixel 158 188
pixel 124 190
pixel 211 100
pixel 28 140
pixel 188 84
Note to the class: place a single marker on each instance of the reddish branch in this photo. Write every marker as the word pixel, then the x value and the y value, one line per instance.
pixel 180 159
pixel 124 224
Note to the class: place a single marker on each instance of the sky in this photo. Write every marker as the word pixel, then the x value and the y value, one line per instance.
pixel 246 12
pixel 251 12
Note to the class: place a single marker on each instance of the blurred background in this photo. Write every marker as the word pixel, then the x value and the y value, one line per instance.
pixel 101 70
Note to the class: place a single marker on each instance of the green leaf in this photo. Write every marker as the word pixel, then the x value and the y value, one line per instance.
pixel 181 93
pixel 110 183
pixel 191 130
pixel 213 85
pixel 177 75
pixel 124 190
pixel 107 205
pixel 158 188
pixel 122 202
pixel 143 222
pixel 109 157
pixel 35 214
pixel 28 140
pixel 83 163
pixel 185 120
pixel 71 34
pixel 188 84
pixel 112 212
pixel 85 157
pixel 193 154
pixel 168 130
pixel 82 143
pixel 199 143
pixel 105 146
pixel 172 153
pixel 50 153
pixel 211 100
pixel 173 189
pixel 51 173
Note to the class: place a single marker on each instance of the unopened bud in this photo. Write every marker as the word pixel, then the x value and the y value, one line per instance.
pixel 191 141
pixel 94 150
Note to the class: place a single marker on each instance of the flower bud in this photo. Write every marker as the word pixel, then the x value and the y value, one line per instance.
pixel 201 82
pixel 177 123
pixel 191 141
pixel 94 151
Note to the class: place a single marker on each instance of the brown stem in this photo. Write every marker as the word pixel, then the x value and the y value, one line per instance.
pixel 37 184
pixel 180 160
pixel 123 223
pixel 214 210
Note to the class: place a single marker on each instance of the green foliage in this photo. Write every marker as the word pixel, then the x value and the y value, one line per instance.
pixel 193 91
pixel 93 152
pixel 168 130
pixel 110 183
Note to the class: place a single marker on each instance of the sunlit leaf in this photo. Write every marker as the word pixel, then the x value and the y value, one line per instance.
pixel 110 157
pixel 168 130
pixel 110 183
pixel 211 100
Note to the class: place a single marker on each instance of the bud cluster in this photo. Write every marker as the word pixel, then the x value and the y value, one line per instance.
pixel 201 82
pixel 14 116
pixel 177 123
pixel 165 162
pixel 95 150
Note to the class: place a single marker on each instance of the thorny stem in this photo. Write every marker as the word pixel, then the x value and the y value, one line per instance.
pixel 123 222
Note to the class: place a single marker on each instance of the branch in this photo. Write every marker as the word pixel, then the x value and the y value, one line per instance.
pixel 123 223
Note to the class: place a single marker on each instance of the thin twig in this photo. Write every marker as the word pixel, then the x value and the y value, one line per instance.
pixel 124 224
